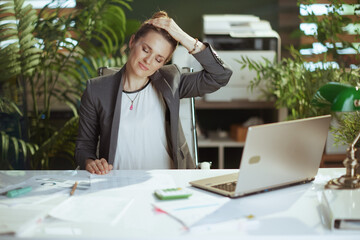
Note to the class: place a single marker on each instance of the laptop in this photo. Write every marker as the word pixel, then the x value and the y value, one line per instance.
pixel 275 155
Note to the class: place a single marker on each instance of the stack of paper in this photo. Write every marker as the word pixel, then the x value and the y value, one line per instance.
pixel 341 208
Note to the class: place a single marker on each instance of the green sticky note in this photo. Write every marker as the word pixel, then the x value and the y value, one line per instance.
pixel 18 192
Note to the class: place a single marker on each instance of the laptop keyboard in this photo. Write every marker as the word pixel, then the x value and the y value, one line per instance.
pixel 229 187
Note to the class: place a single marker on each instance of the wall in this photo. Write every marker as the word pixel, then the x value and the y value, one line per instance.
pixel 188 13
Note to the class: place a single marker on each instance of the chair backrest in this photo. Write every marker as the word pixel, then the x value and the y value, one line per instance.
pixel 188 123
pixel 186 115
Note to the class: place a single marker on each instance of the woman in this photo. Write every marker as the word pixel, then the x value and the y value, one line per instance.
pixel 134 114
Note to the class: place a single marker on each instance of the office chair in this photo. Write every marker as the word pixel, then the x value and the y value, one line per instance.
pixel 186 115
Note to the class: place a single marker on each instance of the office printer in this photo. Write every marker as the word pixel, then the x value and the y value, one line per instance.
pixel 234 36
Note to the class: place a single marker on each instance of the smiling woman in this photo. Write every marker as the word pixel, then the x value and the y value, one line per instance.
pixel 134 114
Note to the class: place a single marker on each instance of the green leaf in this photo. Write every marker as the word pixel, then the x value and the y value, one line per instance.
pixel 16 148
pixel 31 148
pixel 8 5
pixel 124 3
pixel 7 18
pixel 8 34
pixel 23 147
pixel 4 145
pixel 7 25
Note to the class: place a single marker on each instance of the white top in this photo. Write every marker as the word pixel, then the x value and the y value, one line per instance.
pixel 142 140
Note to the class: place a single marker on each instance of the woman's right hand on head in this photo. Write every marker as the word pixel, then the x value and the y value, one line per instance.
pixel 98 166
pixel 168 24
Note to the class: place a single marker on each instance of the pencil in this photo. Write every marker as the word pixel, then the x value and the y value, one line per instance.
pixel 73 188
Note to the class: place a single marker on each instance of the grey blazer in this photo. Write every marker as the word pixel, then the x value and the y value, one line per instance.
pixel 101 106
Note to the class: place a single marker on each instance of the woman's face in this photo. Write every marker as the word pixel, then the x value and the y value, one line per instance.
pixel 148 54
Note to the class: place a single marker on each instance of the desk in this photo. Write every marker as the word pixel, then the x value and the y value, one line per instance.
pixel 289 213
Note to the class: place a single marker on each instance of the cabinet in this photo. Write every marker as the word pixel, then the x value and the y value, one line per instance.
pixel 332 160
pixel 221 146
pixel 224 152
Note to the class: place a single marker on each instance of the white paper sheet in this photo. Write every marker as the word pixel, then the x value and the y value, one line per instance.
pixel 18 220
pixel 240 225
pixel 92 208
pixel 191 210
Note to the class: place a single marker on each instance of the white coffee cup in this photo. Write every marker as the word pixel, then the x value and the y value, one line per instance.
pixel 205 165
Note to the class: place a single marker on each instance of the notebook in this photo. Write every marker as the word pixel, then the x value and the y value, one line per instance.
pixel 275 155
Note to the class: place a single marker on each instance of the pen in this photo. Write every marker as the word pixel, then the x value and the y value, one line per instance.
pixel 176 218
pixel 17 192
pixel 73 188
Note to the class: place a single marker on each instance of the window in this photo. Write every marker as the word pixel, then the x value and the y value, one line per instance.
pixel 331 31
pixel 38 4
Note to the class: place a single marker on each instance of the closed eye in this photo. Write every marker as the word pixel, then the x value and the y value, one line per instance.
pixel 159 60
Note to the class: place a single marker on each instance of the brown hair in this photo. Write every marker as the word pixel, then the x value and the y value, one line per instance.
pixel 146 27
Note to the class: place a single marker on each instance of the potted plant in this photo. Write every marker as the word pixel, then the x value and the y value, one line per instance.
pixel 47 56
pixel 292 82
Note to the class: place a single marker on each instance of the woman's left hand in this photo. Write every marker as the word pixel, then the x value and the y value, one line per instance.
pixel 177 33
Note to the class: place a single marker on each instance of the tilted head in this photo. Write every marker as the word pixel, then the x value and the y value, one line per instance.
pixel 150 48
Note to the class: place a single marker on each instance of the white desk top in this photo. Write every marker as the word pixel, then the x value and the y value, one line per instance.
pixel 290 213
